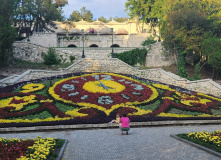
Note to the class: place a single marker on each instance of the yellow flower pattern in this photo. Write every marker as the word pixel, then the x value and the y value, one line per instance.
pixel 25 101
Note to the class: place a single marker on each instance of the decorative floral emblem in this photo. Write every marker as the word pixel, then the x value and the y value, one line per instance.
pixel 105 92
pixel 97 97
pixel 32 87
pixel 17 102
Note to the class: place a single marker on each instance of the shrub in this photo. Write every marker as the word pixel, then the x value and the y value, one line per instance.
pixel 148 41
pixel 197 73
pixel 51 58
pixel 72 58
pixel 134 56
pixel 182 72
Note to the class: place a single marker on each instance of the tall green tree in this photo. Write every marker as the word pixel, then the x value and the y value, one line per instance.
pixel 37 15
pixel 145 11
pixel 60 3
pixel 138 10
pixel 187 23
pixel 211 53
pixel 7 32
pixel 83 14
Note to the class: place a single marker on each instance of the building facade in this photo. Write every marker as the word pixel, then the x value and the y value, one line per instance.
pixel 93 34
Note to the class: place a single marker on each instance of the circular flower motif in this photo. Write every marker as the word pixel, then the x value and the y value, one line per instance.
pixel 103 91
pixel 32 87
pixel 99 86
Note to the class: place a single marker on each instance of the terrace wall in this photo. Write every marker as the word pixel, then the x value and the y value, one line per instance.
pixel 34 53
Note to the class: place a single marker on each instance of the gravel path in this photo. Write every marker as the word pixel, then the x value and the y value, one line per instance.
pixel 149 143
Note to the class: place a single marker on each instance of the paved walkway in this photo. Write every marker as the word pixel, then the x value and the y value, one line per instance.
pixel 149 143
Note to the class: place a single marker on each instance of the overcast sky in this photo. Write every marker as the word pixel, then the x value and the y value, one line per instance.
pixel 106 8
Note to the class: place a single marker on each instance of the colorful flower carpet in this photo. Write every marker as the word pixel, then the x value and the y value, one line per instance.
pixel 86 98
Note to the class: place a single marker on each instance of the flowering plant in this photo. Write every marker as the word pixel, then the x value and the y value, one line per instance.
pixel 16 149
pixel 210 140
pixel 97 97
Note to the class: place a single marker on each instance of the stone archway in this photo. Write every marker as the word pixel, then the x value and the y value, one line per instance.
pixel 115 45
pixel 93 45
pixel 72 45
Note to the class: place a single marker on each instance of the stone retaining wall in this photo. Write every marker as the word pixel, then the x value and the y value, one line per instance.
pixel 44 39
pixel 93 52
pixel 34 53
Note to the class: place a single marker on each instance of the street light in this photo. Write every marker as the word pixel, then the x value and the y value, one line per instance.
pixel 159 29
pixel 82 31
pixel 28 35
pixel 112 31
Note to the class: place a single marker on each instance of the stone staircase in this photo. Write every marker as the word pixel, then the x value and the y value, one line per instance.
pixel 8 80
pixel 115 65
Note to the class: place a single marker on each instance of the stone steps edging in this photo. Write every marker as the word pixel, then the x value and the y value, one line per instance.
pixel 108 125
pixel 62 150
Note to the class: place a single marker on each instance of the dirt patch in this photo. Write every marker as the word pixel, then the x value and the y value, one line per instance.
pixel 9 71
pixel 205 73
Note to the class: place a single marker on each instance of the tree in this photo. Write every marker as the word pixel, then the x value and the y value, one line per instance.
pixel 119 19
pixel 186 24
pixel 7 32
pixel 144 10
pixel 60 3
pixel 102 19
pixel 37 15
pixel 211 53
pixel 50 58
pixel 84 14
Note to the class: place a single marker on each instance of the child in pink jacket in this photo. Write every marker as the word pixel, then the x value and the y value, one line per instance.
pixel 124 123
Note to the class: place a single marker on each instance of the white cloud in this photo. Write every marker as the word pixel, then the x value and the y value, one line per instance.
pixel 106 8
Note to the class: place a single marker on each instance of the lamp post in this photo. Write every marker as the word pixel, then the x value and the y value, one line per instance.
pixel 112 31
pixel 28 35
pixel 159 29
pixel 82 31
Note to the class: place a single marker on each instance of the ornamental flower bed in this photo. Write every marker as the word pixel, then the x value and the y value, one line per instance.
pixel 84 98
pixel 209 140
pixel 38 148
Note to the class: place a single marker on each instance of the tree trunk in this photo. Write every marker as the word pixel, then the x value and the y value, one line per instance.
pixel 217 73
pixel 213 73
pixel 175 54
pixel 142 26
pixel 152 30
pixel 137 24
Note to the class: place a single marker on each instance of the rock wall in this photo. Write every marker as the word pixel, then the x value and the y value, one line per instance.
pixel 44 39
pixel 93 52
pixel 34 53
pixel 157 57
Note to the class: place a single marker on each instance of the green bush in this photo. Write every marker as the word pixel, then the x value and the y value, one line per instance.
pixel 148 41
pixel 197 73
pixel 51 58
pixel 72 58
pixel 134 56
pixel 182 72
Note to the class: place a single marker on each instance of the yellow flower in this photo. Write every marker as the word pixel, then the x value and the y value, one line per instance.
pixel 25 101
pixel 31 87
pixel 120 87
pixel 96 87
